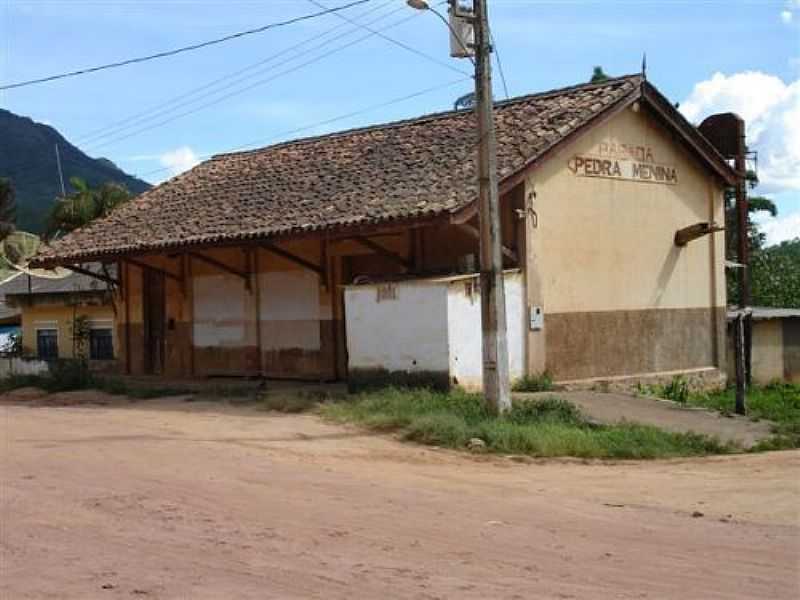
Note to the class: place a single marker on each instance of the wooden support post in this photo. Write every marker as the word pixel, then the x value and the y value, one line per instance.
pixel 184 278
pixel 190 287
pixel 126 275
pixel 323 263
pixel 254 273
pixel 385 252
pixel 412 250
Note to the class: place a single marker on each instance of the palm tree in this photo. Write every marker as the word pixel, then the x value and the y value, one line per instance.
pixel 8 208
pixel 83 206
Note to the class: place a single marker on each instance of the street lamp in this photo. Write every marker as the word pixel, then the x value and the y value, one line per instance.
pixel 496 385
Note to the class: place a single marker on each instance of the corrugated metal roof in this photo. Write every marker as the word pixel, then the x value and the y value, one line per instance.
pixel 23 283
pixel 762 313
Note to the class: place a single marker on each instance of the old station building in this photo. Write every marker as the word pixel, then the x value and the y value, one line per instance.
pixel 355 253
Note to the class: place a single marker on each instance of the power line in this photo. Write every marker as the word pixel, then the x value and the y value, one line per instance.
pixel 115 126
pixel 396 42
pixel 255 84
pixel 174 104
pixel 324 122
pixel 499 64
pixel 371 32
pixel 249 87
pixel 192 47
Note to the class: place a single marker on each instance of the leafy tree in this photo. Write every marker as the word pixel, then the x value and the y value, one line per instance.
pixel 598 75
pixel 756 204
pixel 8 208
pixel 756 241
pixel 775 275
pixel 84 205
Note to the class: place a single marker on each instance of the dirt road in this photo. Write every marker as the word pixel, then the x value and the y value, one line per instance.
pixel 167 499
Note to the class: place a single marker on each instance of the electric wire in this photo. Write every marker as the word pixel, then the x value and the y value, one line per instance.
pixel 158 109
pixel 180 50
pixel 398 43
pixel 252 85
pixel 323 123
pixel 499 64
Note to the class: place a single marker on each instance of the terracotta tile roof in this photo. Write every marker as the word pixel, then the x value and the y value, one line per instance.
pixel 413 169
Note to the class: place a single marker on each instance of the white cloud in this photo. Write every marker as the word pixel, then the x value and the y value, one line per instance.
pixel 778 229
pixel 771 110
pixel 179 160
pixel 787 14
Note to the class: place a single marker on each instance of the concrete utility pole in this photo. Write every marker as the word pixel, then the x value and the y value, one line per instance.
pixel 496 384
pixel 743 324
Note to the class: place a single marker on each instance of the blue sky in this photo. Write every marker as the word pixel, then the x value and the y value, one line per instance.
pixel 710 55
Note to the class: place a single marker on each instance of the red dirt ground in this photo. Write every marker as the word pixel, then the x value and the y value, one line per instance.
pixel 169 499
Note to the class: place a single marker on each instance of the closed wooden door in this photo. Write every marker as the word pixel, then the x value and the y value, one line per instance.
pixel 154 321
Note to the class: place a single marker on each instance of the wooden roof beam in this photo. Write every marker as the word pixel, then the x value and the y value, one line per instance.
pixel 473 231
pixel 294 258
pixel 99 276
pixel 144 265
pixel 219 265
pixel 385 252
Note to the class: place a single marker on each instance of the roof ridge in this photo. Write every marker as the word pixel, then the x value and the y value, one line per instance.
pixel 421 119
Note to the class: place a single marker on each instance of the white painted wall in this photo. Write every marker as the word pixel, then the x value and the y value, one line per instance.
pixel 406 333
pixel 22 366
pixel 464 330
pixel 429 325
pixel 219 310
pixel 290 310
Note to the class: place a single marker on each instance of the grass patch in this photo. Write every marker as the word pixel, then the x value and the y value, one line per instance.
pixel 70 375
pixel 543 428
pixel 776 402
pixel 676 390
pixel 542 382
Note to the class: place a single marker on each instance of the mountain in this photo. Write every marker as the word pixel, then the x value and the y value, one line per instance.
pixel 28 158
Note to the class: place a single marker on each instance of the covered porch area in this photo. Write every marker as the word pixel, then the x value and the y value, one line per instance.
pixel 275 308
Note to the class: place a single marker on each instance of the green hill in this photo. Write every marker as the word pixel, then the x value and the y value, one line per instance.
pixel 27 157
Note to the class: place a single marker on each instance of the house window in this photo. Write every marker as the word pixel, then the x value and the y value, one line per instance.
pixel 47 344
pixel 101 346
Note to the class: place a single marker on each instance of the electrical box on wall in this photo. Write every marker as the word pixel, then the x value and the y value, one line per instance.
pixel 537 318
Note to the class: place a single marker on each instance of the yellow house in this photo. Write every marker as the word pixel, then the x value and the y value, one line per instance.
pixel 66 317
pixel 610 206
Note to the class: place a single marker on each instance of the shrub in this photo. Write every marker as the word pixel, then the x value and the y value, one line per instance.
pixel 542 382
pixel 677 390
pixel 68 374
pixel 547 410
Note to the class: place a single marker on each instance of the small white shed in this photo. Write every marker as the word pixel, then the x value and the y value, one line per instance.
pixel 427 328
